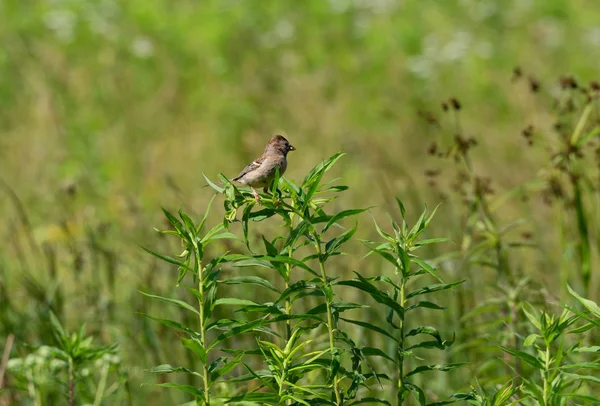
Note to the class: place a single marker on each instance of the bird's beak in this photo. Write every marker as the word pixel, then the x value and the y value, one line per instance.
pixel 292 148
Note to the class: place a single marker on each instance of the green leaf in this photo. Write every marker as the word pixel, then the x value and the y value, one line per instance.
pixel 427 268
pixel 267 262
pixel 321 167
pixel 343 306
pixel 255 397
pixel 233 302
pixel 237 330
pixel 583 119
pixel 424 330
pixel 176 302
pixel 195 346
pixel 175 223
pixel 199 393
pixel 299 286
pixel 168 259
pixel 245 220
pixel 426 304
pixel 530 359
pixel 371 351
pixel 594 348
pixel 437 367
pixel 227 367
pixel 429 241
pixel 206 212
pixel 588 304
pixel 588 378
pixel 370 400
pixel 57 329
pixel 342 214
pixel 252 280
pixel 379 296
pixel 418 227
pixel 262 214
pixel 370 327
pixel 401 207
pixel 530 340
pixel 189 223
pixel 586 365
pixel 433 288
pixel 533 319
pixel 337 242
pixel 168 369
pixel 415 390
pixel 504 394
pixel 171 323
pixel 213 185
pixel 594 132
pixel 384 254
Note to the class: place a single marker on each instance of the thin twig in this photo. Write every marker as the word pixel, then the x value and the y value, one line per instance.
pixel 5 356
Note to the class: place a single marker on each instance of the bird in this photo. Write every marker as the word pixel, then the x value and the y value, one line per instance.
pixel 261 172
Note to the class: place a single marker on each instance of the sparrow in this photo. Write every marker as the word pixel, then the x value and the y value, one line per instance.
pixel 261 172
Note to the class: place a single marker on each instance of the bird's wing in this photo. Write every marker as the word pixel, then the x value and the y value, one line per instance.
pixel 251 167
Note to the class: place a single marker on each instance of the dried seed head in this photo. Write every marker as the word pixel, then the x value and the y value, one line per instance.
pixel 568 82
pixel 444 106
pixel 432 173
pixel 558 126
pixel 483 186
pixel 429 117
pixel 527 133
pixel 455 103
pixel 595 86
pixel 527 235
pixel 534 84
pixel 517 74
pixel 432 149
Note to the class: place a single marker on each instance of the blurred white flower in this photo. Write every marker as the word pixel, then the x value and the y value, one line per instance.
pixel 62 22
pixel 551 32
pixel 593 36
pixel 421 66
pixel 32 360
pixel 457 47
pixel 339 6
pixel 284 29
pixel 14 364
pixel 44 351
pixel 376 6
pixel 142 47
pixel 56 364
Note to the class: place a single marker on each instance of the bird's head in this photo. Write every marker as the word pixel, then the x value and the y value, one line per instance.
pixel 279 144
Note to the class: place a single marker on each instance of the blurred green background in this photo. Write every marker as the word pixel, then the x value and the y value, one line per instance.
pixel 111 108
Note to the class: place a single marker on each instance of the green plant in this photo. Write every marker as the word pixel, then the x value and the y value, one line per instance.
pixel 73 367
pixel 407 289
pixel 557 360
pixel 308 358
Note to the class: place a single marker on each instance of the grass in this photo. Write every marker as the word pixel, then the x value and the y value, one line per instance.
pixel 112 109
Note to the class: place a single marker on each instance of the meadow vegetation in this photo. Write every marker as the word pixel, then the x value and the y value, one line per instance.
pixel 435 239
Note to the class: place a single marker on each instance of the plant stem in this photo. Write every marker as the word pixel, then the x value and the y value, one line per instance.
pixel 71 383
pixel 101 385
pixel 545 375
pixel 201 316
pixel 288 304
pixel 330 325
pixel 401 343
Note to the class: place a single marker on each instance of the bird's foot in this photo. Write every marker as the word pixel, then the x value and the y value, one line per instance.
pixel 256 196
